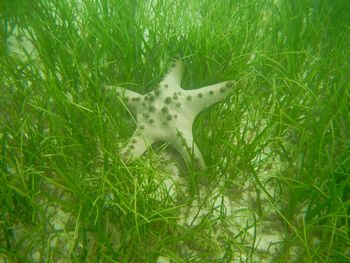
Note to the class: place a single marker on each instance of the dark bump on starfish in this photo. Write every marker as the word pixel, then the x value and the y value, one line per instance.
pixel 164 109
pixel 229 84
pixel 157 92
pixel 117 93
pixel 151 98
pixel 178 104
pixel 166 85
pixel 169 117
pixel 131 146
pixel 211 92
pixel 164 123
pixel 151 120
pixel 126 99
pixel 142 127
pixel 175 96
pixel 146 97
pixel 133 141
pixel 146 115
pixel 175 116
pixel 167 100
pixel 189 97
pixel 222 89
pixel 152 108
pixel 200 95
pixel 173 65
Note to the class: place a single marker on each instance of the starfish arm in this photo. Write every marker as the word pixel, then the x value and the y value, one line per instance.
pixel 130 98
pixel 173 77
pixel 135 146
pixel 207 96
pixel 188 149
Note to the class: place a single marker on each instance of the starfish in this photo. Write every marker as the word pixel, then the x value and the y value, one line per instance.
pixel 167 114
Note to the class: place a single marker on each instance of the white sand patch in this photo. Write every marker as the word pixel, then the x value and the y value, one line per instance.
pixel 236 213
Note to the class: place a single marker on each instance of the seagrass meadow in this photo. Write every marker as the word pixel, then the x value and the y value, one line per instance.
pixel 274 185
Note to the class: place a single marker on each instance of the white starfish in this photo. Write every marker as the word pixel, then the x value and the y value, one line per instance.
pixel 167 114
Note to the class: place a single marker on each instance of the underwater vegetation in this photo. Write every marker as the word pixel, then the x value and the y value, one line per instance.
pixel 239 152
